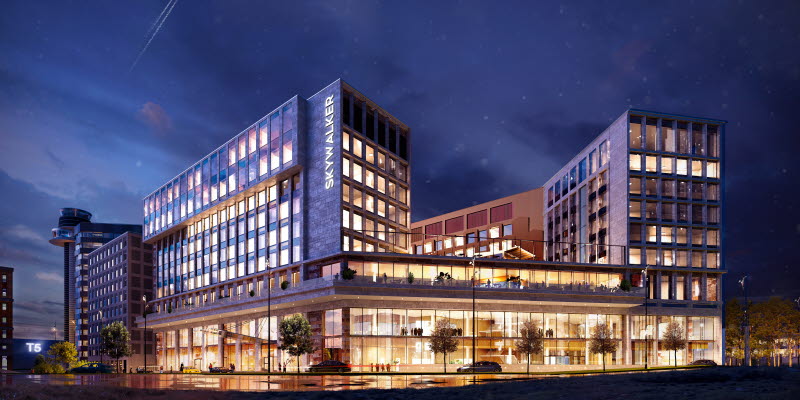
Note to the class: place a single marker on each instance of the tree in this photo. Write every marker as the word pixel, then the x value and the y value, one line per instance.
pixel 602 342
pixel 63 353
pixel 734 337
pixel 673 339
pixel 443 340
pixel 531 341
pixel 295 334
pixel 772 322
pixel 115 341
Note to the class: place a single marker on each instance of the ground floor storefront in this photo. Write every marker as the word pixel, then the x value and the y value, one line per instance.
pixel 374 339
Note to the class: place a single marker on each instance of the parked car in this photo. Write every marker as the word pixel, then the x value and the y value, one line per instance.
pixel 481 366
pixel 190 370
pixel 709 363
pixel 92 368
pixel 330 366
pixel 219 370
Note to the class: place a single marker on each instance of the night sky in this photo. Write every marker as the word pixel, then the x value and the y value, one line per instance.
pixel 498 96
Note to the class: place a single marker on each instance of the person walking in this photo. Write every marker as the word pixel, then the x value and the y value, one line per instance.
pixel 181 367
pixel 210 366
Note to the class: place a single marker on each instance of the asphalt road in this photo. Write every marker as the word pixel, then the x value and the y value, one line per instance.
pixel 260 382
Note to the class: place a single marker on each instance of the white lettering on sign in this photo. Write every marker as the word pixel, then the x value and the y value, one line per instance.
pixel 34 347
pixel 329 118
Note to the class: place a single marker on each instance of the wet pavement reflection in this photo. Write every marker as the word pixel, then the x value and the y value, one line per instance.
pixel 262 382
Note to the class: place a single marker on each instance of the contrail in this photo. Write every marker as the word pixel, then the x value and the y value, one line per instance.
pixel 151 34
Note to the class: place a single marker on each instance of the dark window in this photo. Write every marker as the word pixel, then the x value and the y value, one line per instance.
pixel 371 124
pixel 381 132
pixel 346 110
pixel 358 118
pixel 393 139
pixel 403 146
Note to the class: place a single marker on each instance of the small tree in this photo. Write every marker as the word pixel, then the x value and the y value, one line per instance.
pixel 602 342
pixel 295 334
pixel 63 353
pixel 116 341
pixel 673 339
pixel 443 340
pixel 531 341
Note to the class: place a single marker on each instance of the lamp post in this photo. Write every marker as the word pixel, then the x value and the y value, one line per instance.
pixel 100 312
pixel 269 319
pixel 144 299
pixel 55 331
pixel 474 325
pixel 646 325
pixel 746 321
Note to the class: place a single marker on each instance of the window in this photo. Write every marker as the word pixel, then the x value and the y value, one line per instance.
pixel 683 212
pixel 668 188
pixel 636 233
pixel 712 169
pixel 651 235
pixel 476 219
pixel 652 164
pixel 592 162
pixel 650 134
pixel 651 210
pixel 666 234
pixel 697 140
pixel 357 148
pixel 635 255
pixel 713 140
pixel 697 168
pixel 508 230
pixel 635 209
pixel 635 186
pixel 604 153
pixel 667 136
pixel 683 167
pixel 667 211
pixel 667 165
pixel 683 138
pixel 635 132
pixel 635 163
pixel 501 213
pixel 651 187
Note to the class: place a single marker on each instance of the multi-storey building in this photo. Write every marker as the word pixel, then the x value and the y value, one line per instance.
pixel 306 212
pixel 6 318
pixel 507 227
pixel 120 277
pixel 79 237
pixel 652 182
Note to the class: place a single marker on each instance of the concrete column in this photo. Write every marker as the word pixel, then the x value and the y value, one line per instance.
pixel 654 360
pixel 220 349
pixel 190 349
pixel 258 355
pixel 626 339
pixel 203 344
pixel 176 361
pixel 673 282
pixel 687 287
pixel 238 361
pixel 703 291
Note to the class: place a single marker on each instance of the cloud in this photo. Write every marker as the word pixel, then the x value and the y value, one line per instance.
pixel 49 276
pixel 156 117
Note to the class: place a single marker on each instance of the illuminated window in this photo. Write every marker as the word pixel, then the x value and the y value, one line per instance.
pixel 357 148
pixel 697 168
pixel 712 169
pixel 635 162
pixel 652 164
pixel 682 166
pixel 635 255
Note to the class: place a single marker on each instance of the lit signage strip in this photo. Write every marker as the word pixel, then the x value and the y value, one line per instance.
pixel 329 118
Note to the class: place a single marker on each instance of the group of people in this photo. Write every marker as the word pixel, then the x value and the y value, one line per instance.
pixel 379 367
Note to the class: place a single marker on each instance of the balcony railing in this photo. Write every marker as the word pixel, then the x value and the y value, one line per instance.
pixel 520 286
pixel 504 247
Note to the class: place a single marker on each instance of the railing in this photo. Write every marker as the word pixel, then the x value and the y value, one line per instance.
pixel 259 294
pixel 505 247
pixel 523 286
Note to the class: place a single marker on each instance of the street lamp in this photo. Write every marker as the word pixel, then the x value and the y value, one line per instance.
pixel 474 332
pixel 646 326
pixel 269 319
pixel 101 335
pixel 55 331
pixel 746 321
pixel 144 299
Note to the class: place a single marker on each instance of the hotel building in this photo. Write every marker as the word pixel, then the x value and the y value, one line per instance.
pixel 6 318
pixel 264 226
pixel 79 237
pixel 120 272
pixel 651 182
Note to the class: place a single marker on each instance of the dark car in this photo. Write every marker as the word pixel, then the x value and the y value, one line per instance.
pixel 709 363
pixel 481 366
pixel 219 370
pixel 92 368
pixel 330 366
